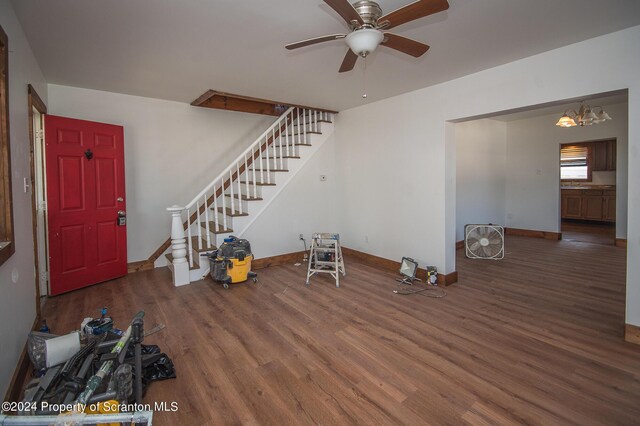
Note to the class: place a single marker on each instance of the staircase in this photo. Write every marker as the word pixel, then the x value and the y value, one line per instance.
pixel 238 195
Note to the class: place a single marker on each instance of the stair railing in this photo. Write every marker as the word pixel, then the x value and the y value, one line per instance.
pixel 253 163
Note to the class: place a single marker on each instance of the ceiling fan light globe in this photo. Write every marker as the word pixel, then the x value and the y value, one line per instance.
pixel 364 41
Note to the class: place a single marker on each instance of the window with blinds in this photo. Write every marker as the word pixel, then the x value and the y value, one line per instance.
pixel 574 162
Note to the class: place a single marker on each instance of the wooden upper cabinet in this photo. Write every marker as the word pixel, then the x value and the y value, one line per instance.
pixel 603 155
pixel 611 155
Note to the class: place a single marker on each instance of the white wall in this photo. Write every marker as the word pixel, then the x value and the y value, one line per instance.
pixel 533 156
pixel 397 164
pixel 17 281
pixel 481 161
pixel 172 151
pixel 305 206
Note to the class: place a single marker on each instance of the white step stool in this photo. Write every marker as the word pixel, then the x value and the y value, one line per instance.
pixel 326 256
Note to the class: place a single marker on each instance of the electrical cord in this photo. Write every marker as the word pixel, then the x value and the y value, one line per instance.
pixel 422 292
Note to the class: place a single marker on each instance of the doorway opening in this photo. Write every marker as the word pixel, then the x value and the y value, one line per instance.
pixel 508 172
pixel 37 110
pixel 588 191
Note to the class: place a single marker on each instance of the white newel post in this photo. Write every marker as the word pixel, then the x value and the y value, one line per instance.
pixel 178 247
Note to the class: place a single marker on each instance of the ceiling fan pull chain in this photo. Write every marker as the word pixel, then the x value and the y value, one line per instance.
pixel 364 79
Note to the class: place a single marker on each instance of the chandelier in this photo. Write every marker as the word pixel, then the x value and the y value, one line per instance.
pixel 585 116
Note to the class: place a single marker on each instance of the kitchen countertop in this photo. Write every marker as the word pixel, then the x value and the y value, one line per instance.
pixel 588 187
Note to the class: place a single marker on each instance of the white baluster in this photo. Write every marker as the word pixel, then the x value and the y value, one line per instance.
pixel 233 200
pixel 301 126
pixel 288 129
pixel 268 165
pixel 279 151
pixel 254 165
pixel 199 224
pixel 296 120
pixel 178 247
pixel 315 117
pixel 216 220
pixel 239 188
pixel 224 206
pixel 206 224
pixel 255 186
pixel 304 125
pixel 246 175
pixel 189 241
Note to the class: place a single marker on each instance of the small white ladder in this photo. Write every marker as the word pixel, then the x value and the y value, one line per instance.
pixel 326 256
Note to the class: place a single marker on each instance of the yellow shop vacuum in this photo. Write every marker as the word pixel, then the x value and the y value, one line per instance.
pixel 231 263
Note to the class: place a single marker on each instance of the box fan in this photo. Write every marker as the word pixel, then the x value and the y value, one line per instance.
pixel 484 241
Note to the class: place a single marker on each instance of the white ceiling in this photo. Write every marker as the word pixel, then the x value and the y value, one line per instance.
pixel 176 50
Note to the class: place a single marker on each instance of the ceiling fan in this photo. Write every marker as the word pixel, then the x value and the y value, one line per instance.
pixel 366 24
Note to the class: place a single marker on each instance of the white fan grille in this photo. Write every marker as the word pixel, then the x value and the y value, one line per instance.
pixel 483 241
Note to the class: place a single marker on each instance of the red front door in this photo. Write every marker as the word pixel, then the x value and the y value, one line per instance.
pixel 85 196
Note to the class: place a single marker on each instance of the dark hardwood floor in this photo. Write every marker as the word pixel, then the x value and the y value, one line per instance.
pixel 589 232
pixel 536 338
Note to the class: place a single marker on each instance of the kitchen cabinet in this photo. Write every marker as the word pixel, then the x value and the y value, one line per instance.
pixel 592 205
pixel 571 204
pixel 603 156
pixel 589 204
pixel 609 206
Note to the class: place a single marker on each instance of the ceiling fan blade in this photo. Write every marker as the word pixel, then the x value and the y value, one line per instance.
pixel 415 10
pixel 349 61
pixel 346 10
pixel 316 40
pixel 404 45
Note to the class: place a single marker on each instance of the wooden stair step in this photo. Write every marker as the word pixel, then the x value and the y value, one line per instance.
pixel 195 266
pixel 295 144
pixel 270 170
pixel 194 244
pixel 244 182
pixel 245 198
pixel 230 213
pixel 320 120
pixel 212 228
pixel 271 157
pixel 308 132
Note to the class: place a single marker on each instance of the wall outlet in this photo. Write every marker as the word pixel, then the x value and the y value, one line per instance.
pixel 301 236
pixel 323 178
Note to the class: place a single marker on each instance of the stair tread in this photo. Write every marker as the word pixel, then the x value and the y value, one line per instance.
pixel 295 144
pixel 194 244
pixel 308 132
pixel 271 170
pixel 319 121
pixel 257 183
pixel 234 213
pixel 212 228
pixel 195 266
pixel 245 198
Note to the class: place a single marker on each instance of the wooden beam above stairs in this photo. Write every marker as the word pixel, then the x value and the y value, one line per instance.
pixel 230 102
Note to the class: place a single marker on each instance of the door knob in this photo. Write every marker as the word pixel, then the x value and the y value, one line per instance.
pixel 120 199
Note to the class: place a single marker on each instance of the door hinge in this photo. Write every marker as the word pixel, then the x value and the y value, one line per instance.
pixel 40 135
pixel 44 276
